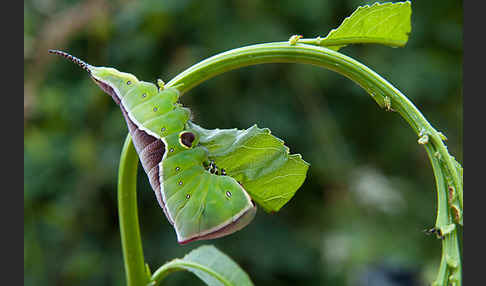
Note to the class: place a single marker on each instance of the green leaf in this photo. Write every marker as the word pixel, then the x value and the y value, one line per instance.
pixel 258 160
pixel 386 24
pixel 209 264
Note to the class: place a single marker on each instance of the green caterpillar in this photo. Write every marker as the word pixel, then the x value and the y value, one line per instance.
pixel 199 199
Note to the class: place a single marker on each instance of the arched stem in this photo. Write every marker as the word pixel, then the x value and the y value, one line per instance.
pixel 386 96
pixel 128 216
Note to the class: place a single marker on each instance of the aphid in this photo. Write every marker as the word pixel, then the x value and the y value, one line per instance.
pixel 156 121
pixel 388 104
pixel 294 39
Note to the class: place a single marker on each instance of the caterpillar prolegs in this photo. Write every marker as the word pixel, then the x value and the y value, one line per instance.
pixel 202 178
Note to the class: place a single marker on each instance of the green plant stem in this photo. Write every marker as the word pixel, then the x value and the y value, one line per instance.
pixel 450 243
pixel 128 216
pixel 385 94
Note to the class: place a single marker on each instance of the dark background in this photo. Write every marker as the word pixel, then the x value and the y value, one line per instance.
pixel 360 215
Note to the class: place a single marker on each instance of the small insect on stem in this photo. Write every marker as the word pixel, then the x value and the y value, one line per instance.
pixel 74 59
pixel 424 137
pixel 294 39
pixel 387 102
pixel 435 231
pixel 423 140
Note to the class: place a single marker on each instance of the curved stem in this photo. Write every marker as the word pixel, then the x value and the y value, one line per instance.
pixel 450 267
pixel 386 96
pixel 128 216
pixel 282 52
pixel 178 265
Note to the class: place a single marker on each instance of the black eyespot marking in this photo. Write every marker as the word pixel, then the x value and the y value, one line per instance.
pixel 177 169
pixel 186 138
pixel 223 172
pixel 180 183
pixel 155 109
pixel 129 82
pixel 162 129
pixel 144 95
pixel 188 196
pixel 171 150
pixel 228 194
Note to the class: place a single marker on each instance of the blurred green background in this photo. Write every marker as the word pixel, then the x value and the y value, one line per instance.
pixel 357 220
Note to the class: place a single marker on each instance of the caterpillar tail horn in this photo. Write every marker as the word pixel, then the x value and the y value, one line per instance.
pixel 74 59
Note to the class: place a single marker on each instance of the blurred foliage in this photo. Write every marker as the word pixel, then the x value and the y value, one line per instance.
pixel 370 191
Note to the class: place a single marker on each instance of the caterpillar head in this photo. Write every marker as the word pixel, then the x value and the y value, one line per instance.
pixel 108 79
